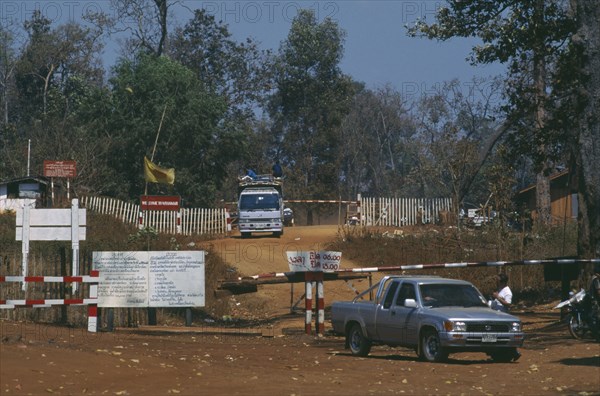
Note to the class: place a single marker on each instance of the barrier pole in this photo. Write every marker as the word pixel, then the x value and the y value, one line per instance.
pixel 93 308
pixel 308 303
pixel 320 325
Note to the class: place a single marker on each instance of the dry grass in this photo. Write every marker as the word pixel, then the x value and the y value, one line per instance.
pixel 386 247
pixel 371 246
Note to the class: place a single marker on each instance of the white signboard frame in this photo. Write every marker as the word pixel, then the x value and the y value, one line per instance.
pixel 150 279
pixel 51 225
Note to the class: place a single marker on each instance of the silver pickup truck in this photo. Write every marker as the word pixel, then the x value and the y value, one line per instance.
pixel 433 315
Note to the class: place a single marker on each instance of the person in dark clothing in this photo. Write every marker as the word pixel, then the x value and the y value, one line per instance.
pixel 277 171
pixel 250 173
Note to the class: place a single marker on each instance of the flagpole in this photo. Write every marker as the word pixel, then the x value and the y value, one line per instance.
pixel 158 132
pixel 152 311
pixel 156 142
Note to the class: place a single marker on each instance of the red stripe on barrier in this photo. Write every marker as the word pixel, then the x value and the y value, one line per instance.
pixel 92 310
pixel 94 273
pixel 35 302
pixel 73 301
pixel 73 279
pixel 2 278
pixel 34 279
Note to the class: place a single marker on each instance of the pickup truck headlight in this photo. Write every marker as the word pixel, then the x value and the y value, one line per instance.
pixel 515 327
pixel 451 325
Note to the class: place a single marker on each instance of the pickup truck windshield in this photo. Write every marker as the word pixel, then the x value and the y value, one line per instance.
pixel 447 295
pixel 259 202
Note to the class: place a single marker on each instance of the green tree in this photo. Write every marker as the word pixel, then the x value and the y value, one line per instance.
pixel 53 64
pixel 240 72
pixel 312 97
pixel 192 138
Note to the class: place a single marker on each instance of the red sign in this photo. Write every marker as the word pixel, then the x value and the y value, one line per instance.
pixel 66 169
pixel 159 202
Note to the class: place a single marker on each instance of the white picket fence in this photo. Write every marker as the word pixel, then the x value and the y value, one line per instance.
pixel 399 212
pixel 394 212
pixel 186 221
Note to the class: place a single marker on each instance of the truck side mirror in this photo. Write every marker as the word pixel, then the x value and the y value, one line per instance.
pixel 410 303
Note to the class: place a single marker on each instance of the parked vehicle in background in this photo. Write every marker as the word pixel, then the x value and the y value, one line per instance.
pixel 434 316
pixel 579 317
pixel 260 205
pixel 477 217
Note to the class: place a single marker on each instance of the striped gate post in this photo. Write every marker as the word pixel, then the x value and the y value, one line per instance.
pixel 320 304
pixel 309 278
pixel 93 308
pixel 308 303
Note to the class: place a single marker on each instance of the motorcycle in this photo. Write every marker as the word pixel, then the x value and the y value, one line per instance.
pixel 579 317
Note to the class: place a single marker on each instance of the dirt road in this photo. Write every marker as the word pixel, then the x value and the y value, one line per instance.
pixel 39 360
pixel 43 359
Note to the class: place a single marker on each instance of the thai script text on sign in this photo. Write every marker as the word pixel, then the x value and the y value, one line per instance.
pixel 150 279
pixel 311 261
pixel 67 169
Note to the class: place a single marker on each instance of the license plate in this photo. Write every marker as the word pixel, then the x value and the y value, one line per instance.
pixel 489 338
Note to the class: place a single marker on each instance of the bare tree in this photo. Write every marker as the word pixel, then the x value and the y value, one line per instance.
pixel 587 38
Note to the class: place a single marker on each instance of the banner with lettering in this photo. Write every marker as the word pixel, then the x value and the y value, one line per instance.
pixel 311 261
pixel 150 279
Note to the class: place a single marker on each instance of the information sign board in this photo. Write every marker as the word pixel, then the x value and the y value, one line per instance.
pixel 150 279
pixel 67 169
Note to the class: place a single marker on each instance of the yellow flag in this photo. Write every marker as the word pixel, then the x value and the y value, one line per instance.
pixel 155 174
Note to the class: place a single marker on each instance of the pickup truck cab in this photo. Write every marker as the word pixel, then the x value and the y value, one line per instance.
pixel 435 316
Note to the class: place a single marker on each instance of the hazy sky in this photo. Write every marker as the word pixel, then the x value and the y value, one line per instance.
pixel 377 49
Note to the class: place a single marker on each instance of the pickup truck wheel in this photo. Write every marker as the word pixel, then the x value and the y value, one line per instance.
pixel 359 344
pixel 431 349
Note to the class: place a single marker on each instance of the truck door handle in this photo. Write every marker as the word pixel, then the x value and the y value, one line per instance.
pixel 393 312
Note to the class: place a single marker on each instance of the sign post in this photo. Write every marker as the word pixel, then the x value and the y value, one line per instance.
pixel 64 169
pixel 51 225
pixel 314 265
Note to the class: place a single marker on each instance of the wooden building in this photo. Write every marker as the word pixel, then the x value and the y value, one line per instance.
pixel 563 198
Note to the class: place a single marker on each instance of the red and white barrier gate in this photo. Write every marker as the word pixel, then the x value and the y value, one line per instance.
pixel 91 302
pixel 309 278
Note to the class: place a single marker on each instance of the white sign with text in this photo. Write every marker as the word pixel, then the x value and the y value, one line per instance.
pixel 311 261
pixel 150 279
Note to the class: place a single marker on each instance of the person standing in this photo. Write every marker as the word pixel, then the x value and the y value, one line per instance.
pixel 277 171
pixel 503 296
pixel 502 302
